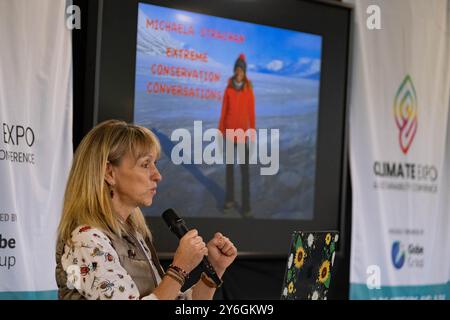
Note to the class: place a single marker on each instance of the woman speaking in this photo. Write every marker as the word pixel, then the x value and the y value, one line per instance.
pixel 104 248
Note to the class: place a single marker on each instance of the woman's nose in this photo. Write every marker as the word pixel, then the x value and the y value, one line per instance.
pixel 156 175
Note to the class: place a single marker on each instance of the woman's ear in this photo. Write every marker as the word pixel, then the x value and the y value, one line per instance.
pixel 110 174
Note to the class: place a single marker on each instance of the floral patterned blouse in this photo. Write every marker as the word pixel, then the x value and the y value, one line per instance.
pixel 93 268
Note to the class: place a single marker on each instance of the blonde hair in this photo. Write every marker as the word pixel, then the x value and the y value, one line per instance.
pixel 87 200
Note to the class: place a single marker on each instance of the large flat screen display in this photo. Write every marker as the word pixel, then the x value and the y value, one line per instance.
pixel 248 100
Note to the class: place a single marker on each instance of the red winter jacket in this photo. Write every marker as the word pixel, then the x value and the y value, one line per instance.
pixel 238 109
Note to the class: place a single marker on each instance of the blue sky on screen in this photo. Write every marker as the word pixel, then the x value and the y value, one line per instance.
pixel 267 49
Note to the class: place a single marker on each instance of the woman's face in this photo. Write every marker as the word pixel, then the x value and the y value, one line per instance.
pixel 136 181
pixel 239 74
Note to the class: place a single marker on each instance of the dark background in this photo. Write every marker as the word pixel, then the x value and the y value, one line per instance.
pixel 257 276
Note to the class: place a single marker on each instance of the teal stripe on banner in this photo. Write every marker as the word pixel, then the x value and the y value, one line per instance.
pixel 29 295
pixel 424 292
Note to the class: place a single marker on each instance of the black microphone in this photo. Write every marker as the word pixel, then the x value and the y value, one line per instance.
pixel 178 227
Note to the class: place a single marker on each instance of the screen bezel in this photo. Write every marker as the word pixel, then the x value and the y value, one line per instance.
pixel 116 51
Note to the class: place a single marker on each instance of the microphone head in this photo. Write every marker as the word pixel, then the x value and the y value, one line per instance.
pixel 170 217
pixel 174 222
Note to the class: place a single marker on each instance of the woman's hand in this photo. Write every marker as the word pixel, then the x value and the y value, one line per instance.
pixel 190 251
pixel 221 253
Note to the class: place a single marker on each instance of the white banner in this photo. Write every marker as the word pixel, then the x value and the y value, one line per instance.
pixel 35 142
pixel 399 168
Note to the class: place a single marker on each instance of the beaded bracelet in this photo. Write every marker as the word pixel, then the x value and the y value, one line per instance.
pixel 175 277
pixel 181 271
pixel 176 273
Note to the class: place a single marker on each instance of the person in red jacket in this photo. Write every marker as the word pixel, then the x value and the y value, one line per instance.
pixel 238 112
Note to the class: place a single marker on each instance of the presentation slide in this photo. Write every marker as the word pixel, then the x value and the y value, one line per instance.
pixel 199 77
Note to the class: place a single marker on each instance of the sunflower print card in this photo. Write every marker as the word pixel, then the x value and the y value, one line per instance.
pixel 309 265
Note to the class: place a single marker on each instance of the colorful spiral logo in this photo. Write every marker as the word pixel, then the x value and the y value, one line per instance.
pixel 405 112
